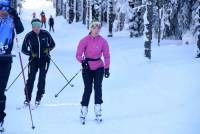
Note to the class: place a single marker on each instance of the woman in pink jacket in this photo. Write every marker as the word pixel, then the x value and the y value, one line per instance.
pixel 89 53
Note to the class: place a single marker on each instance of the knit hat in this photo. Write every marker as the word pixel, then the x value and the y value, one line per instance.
pixel 36 22
pixel 95 24
pixel 4 5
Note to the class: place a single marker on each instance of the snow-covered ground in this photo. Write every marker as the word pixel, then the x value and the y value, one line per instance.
pixel 160 96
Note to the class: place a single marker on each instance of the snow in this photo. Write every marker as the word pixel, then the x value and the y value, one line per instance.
pixel 160 96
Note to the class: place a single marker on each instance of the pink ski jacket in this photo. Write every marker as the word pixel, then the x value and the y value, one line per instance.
pixel 94 48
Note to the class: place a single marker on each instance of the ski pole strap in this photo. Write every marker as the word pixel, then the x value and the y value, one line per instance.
pixel 90 59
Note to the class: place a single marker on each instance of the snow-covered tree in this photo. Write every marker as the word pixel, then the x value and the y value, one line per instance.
pixel 104 11
pixel 96 10
pixel 84 11
pixel 195 24
pixel 148 28
pixel 71 11
pixel 135 15
pixel 111 17
pixel 78 10
pixel 89 13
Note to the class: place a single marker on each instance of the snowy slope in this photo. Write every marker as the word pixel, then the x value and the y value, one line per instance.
pixel 160 96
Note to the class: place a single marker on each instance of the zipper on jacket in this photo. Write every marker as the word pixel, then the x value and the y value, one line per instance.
pixel 39 45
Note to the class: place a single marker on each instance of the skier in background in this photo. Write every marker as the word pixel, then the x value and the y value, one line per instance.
pixel 89 52
pixel 34 15
pixel 43 19
pixel 37 45
pixel 198 45
pixel 8 18
pixel 51 23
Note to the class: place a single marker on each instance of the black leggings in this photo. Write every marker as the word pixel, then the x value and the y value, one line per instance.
pixel 34 66
pixel 4 75
pixel 90 77
pixel 51 27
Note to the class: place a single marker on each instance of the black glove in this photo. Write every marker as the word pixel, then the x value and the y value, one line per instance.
pixel 13 13
pixel 106 73
pixel 85 64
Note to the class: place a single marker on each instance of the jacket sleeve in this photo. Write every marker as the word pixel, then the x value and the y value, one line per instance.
pixel 198 44
pixel 17 22
pixel 106 54
pixel 26 46
pixel 51 42
pixel 80 50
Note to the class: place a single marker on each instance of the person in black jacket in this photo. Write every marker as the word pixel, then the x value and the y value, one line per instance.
pixel 51 23
pixel 6 12
pixel 198 45
pixel 37 44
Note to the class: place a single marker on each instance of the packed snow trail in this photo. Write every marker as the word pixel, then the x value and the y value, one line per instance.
pixel 160 96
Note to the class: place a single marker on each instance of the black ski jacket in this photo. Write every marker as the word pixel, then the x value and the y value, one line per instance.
pixel 198 43
pixel 37 44
pixel 51 21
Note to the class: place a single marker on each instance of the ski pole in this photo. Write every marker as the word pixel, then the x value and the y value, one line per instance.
pixel 8 55
pixel 56 95
pixel 23 74
pixel 17 77
pixel 61 72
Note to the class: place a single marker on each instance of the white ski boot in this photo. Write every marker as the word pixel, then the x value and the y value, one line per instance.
pixel 98 114
pixel 84 111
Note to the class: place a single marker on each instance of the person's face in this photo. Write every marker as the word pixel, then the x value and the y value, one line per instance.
pixel 36 30
pixel 36 27
pixel 95 30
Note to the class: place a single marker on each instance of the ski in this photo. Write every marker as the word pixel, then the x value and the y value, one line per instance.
pixel 34 107
pixel 24 106
pixel 21 107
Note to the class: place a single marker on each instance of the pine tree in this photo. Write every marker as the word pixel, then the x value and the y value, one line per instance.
pixel 148 31
pixel 159 5
pixel 96 10
pixel 71 11
pixel 84 11
pixel 195 26
pixel 104 8
pixel 78 10
pixel 89 13
pixel 111 17
pixel 136 21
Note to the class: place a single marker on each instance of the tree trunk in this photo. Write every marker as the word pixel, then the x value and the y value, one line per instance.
pixel 148 32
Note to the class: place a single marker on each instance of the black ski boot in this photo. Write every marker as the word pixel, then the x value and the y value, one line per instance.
pixel 1 127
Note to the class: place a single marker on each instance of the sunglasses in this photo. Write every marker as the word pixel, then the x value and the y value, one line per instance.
pixel 36 24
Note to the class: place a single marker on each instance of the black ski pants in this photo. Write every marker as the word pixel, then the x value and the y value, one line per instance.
pixel 36 64
pixel 91 77
pixel 51 27
pixel 43 23
pixel 4 75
